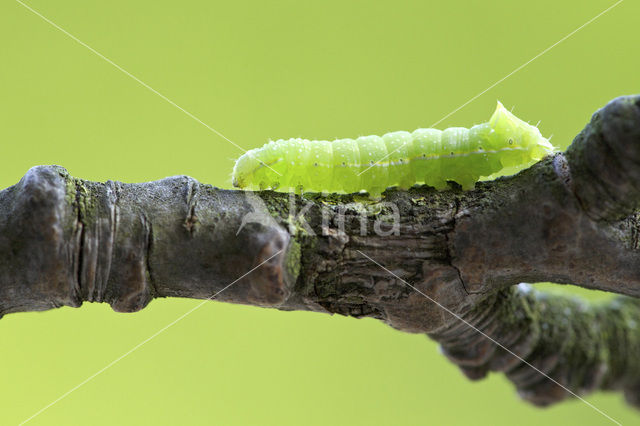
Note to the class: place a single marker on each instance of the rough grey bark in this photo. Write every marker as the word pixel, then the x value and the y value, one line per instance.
pixel 571 218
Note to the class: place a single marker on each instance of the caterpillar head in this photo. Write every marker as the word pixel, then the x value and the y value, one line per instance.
pixel 244 169
pixel 255 169
pixel 518 133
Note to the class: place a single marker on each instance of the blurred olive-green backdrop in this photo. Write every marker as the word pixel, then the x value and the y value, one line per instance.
pixel 259 70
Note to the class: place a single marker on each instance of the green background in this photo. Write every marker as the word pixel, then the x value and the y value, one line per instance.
pixel 254 71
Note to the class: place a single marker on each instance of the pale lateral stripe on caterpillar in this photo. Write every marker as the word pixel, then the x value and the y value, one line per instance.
pixel 427 156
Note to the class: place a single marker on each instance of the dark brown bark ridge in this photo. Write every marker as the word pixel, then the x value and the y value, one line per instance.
pixel 571 218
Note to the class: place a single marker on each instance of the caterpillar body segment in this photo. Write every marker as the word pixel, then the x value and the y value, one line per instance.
pixel 346 166
pixel 402 159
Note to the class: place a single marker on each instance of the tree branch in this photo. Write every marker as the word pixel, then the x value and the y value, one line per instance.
pixel 571 218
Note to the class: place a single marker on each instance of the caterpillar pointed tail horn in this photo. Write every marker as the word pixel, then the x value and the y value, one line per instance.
pixel 401 159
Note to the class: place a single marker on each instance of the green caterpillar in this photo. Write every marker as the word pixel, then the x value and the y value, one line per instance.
pixel 402 159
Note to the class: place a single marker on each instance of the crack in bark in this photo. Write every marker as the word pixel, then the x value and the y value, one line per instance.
pixel 148 253
pixel 191 220
pixel 114 190
pixel 450 252
pixel 80 242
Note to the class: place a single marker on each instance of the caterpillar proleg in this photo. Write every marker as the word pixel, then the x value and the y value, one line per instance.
pixel 402 159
